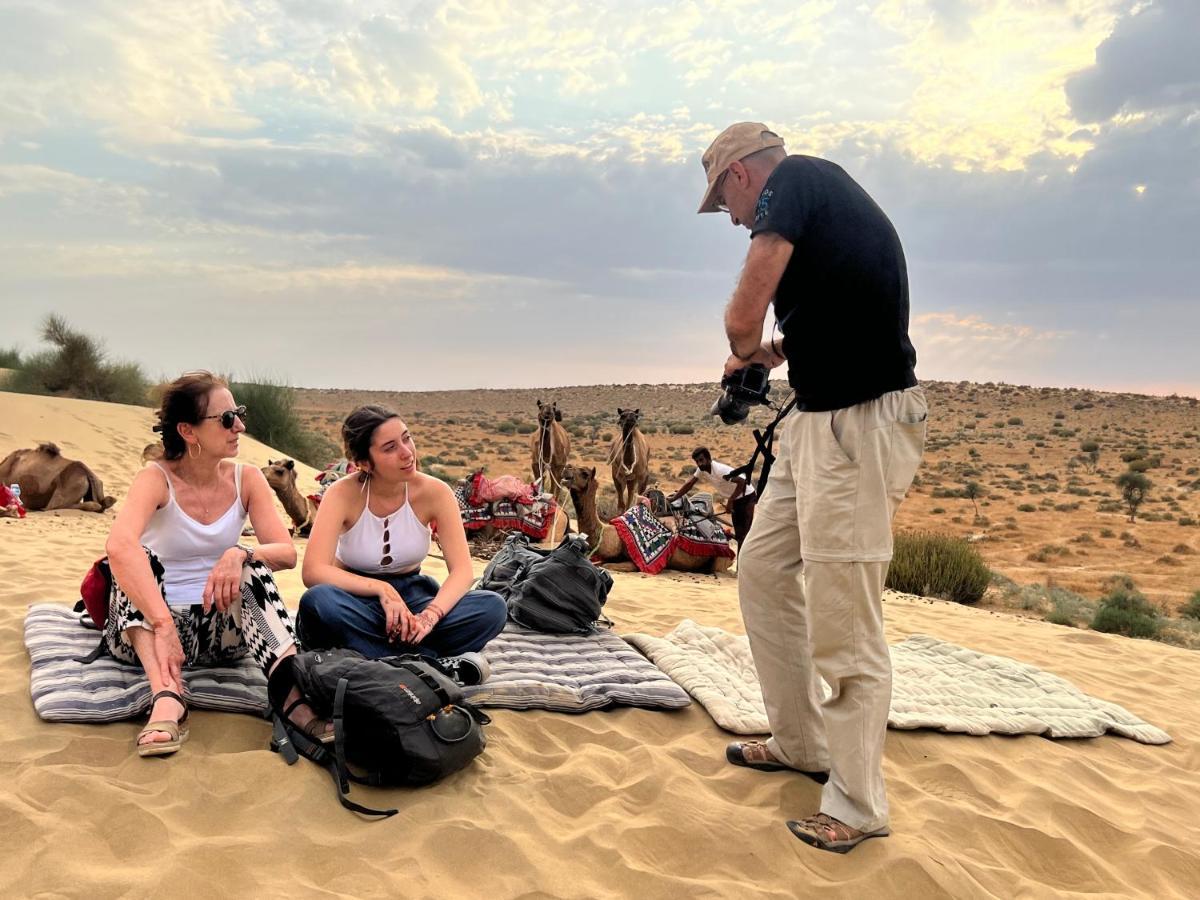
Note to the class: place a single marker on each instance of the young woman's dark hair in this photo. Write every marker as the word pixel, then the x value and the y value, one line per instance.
pixel 359 428
pixel 184 400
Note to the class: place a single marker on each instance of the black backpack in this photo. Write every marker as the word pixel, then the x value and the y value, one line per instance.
pixel 559 590
pixel 401 720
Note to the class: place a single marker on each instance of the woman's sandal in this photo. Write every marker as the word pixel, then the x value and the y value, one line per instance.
pixel 177 730
pixel 827 833
pixel 317 729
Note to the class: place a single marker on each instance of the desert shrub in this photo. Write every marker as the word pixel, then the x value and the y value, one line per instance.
pixel 1124 610
pixel 271 418
pixel 1186 520
pixel 77 366
pixel 1191 609
pixel 937 565
pixel 507 427
pixel 1015 420
pixel 607 436
pixel 680 428
pixel 10 358
pixel 1026 507
pixel 1130 455
pixel 1069 608
pixel 526 428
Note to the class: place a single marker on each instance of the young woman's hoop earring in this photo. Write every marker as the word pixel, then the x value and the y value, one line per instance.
pixel 192 447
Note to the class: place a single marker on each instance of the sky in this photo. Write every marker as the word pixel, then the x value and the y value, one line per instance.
pixel 423 195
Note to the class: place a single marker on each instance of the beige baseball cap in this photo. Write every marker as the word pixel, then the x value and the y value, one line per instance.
pixel 734 143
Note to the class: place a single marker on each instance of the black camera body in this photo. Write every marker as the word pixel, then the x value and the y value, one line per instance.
pixel 743 388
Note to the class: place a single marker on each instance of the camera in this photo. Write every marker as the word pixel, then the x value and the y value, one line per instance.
pixel 743 388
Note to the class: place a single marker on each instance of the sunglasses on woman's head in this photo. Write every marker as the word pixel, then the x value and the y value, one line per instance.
pixel 229 415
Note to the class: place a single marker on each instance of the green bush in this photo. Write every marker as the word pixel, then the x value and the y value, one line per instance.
pixel 1124 610
pixel 526 428
pixel 10 358
pixel 507 427
pixel 78 366
pixel 271 418
pixel 937 565
pixel 1191 609
pixel 680 428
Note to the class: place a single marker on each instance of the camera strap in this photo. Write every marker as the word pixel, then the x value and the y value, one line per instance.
pixel 764 440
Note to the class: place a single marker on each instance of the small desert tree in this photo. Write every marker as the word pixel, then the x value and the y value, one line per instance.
pixel 1134 488
pixel 1091 454
pixel 972 491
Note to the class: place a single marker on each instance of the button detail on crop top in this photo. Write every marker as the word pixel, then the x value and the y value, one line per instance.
pixel 384 545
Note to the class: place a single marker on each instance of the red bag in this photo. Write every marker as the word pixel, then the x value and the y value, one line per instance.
pixel 95 591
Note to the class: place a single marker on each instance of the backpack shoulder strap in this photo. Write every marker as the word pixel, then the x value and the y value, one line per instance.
pixel 291 743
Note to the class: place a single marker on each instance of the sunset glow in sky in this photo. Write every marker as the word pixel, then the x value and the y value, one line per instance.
pixel 467 194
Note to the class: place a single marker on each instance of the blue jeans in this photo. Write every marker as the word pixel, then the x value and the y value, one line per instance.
pixel 331 617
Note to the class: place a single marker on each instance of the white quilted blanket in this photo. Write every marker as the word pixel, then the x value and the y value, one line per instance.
pixel 935 684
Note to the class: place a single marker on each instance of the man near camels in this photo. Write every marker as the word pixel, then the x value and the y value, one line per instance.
pixel 811 574
pixel 737 494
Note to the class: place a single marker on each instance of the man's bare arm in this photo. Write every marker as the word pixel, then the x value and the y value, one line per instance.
pixel 747 310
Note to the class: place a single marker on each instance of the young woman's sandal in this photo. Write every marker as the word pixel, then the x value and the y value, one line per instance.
pixel 319 730
pixel 177 730
pixel 827 833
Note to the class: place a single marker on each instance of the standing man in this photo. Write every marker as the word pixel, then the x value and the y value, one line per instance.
pixel 737 495
pixel 810 577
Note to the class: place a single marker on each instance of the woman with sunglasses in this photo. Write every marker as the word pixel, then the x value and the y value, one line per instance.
pixel 185 591
pixel 363 561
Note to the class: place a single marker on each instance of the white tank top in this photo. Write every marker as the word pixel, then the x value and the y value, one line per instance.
pixel 363 548
pixel 187 549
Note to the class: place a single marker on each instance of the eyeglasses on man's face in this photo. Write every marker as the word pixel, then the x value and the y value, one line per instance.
pixel 720 194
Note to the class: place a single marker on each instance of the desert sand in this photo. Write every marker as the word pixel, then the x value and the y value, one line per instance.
pixel 622 803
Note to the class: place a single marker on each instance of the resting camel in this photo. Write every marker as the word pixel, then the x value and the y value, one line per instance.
pixel 549 448
pixel 630 458
pixel 281 476
pixel 582 484
pixel 49 480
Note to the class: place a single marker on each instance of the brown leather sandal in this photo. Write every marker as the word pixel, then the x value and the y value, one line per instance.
pixel 756 755
pixel 177 730
pixel 827 833
pixel 319 730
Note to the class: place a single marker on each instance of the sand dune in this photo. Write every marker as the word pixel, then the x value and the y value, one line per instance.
pixel 614 804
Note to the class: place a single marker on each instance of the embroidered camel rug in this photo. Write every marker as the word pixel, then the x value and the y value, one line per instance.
pixel 935 684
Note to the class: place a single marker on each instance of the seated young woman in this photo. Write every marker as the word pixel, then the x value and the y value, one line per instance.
pixel 185 591
pixel 363 561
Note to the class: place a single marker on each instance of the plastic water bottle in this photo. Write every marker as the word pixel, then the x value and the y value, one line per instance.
pixel 15 489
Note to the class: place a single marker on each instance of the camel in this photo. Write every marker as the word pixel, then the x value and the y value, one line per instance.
pixel 630 459
pixel 281 476
pixel 549 448
pixel 582 484
pixel 49 480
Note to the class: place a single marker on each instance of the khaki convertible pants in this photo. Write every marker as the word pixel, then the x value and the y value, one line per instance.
pixel 810 583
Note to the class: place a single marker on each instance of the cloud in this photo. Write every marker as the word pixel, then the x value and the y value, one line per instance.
pixel 1148 63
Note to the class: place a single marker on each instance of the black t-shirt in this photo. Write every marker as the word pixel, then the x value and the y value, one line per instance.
pixel 842 303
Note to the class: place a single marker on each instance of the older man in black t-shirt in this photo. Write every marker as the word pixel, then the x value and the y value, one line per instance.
pixel 810 576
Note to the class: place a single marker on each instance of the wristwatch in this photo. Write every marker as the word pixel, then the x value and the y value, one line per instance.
pixel 249 551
